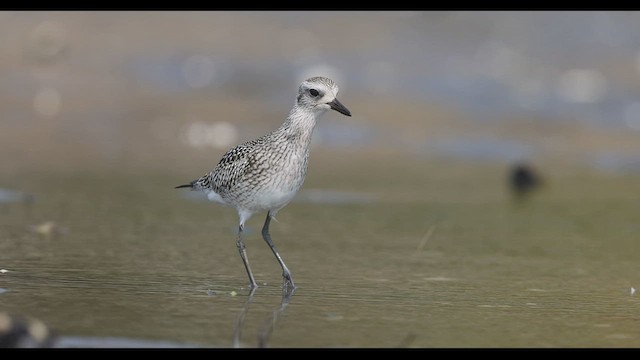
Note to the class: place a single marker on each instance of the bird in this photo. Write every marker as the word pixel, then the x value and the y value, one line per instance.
pixel 523 179
pixel 265 174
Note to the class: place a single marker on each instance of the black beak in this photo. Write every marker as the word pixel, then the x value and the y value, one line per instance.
pixel 337 106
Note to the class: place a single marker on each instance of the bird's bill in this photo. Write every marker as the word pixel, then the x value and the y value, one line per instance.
pixel 337 106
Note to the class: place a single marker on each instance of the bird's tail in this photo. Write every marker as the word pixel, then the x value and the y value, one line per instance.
pixel 190 185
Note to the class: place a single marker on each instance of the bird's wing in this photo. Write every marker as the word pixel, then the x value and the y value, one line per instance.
pixel 231 168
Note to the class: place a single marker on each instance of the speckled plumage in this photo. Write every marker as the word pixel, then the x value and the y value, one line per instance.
pixel 264 174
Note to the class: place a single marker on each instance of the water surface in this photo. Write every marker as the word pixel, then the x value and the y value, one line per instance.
pixel 447 267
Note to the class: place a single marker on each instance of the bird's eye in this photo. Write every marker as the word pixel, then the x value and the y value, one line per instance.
pixel 314 92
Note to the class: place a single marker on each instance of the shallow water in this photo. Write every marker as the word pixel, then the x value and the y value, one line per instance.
pixel 138 269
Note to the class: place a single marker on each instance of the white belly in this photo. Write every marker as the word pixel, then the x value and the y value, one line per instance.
pixel 273 199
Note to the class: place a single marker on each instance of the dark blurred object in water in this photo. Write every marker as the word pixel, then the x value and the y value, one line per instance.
pixel 23 332
pixel 523 179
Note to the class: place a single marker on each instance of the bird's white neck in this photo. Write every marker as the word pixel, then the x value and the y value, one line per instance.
pixel 300 123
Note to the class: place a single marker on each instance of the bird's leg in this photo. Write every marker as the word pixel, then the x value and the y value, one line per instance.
pixel 243 254
pixel 286 274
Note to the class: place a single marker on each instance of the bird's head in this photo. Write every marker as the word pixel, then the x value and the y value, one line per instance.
pixel 319 94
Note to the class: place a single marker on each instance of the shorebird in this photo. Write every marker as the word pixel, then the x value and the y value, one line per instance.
pixel 264 174
pixel 523 179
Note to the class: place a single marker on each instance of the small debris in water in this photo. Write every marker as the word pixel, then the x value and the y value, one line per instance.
pixel 211 293
pixel 264 283
pixel 334 317
pixel 602 325
pixel 633 291
pixel 439 278
pixel 233 293
pixel 3 290
pixel 426 237
pixel 3 271
pixel 48 229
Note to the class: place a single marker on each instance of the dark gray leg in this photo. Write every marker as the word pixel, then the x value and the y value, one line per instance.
pixel 243 254
pixel 286 274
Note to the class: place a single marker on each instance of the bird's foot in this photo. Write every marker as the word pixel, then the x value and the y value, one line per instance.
pixel 287 282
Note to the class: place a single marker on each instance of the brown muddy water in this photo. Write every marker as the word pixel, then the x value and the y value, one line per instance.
pixel 131 262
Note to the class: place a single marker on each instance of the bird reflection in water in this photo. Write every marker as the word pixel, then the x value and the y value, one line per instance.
pixel 269 324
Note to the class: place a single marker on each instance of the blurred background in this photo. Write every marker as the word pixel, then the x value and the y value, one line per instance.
pixel 405 232
pixel 156 88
